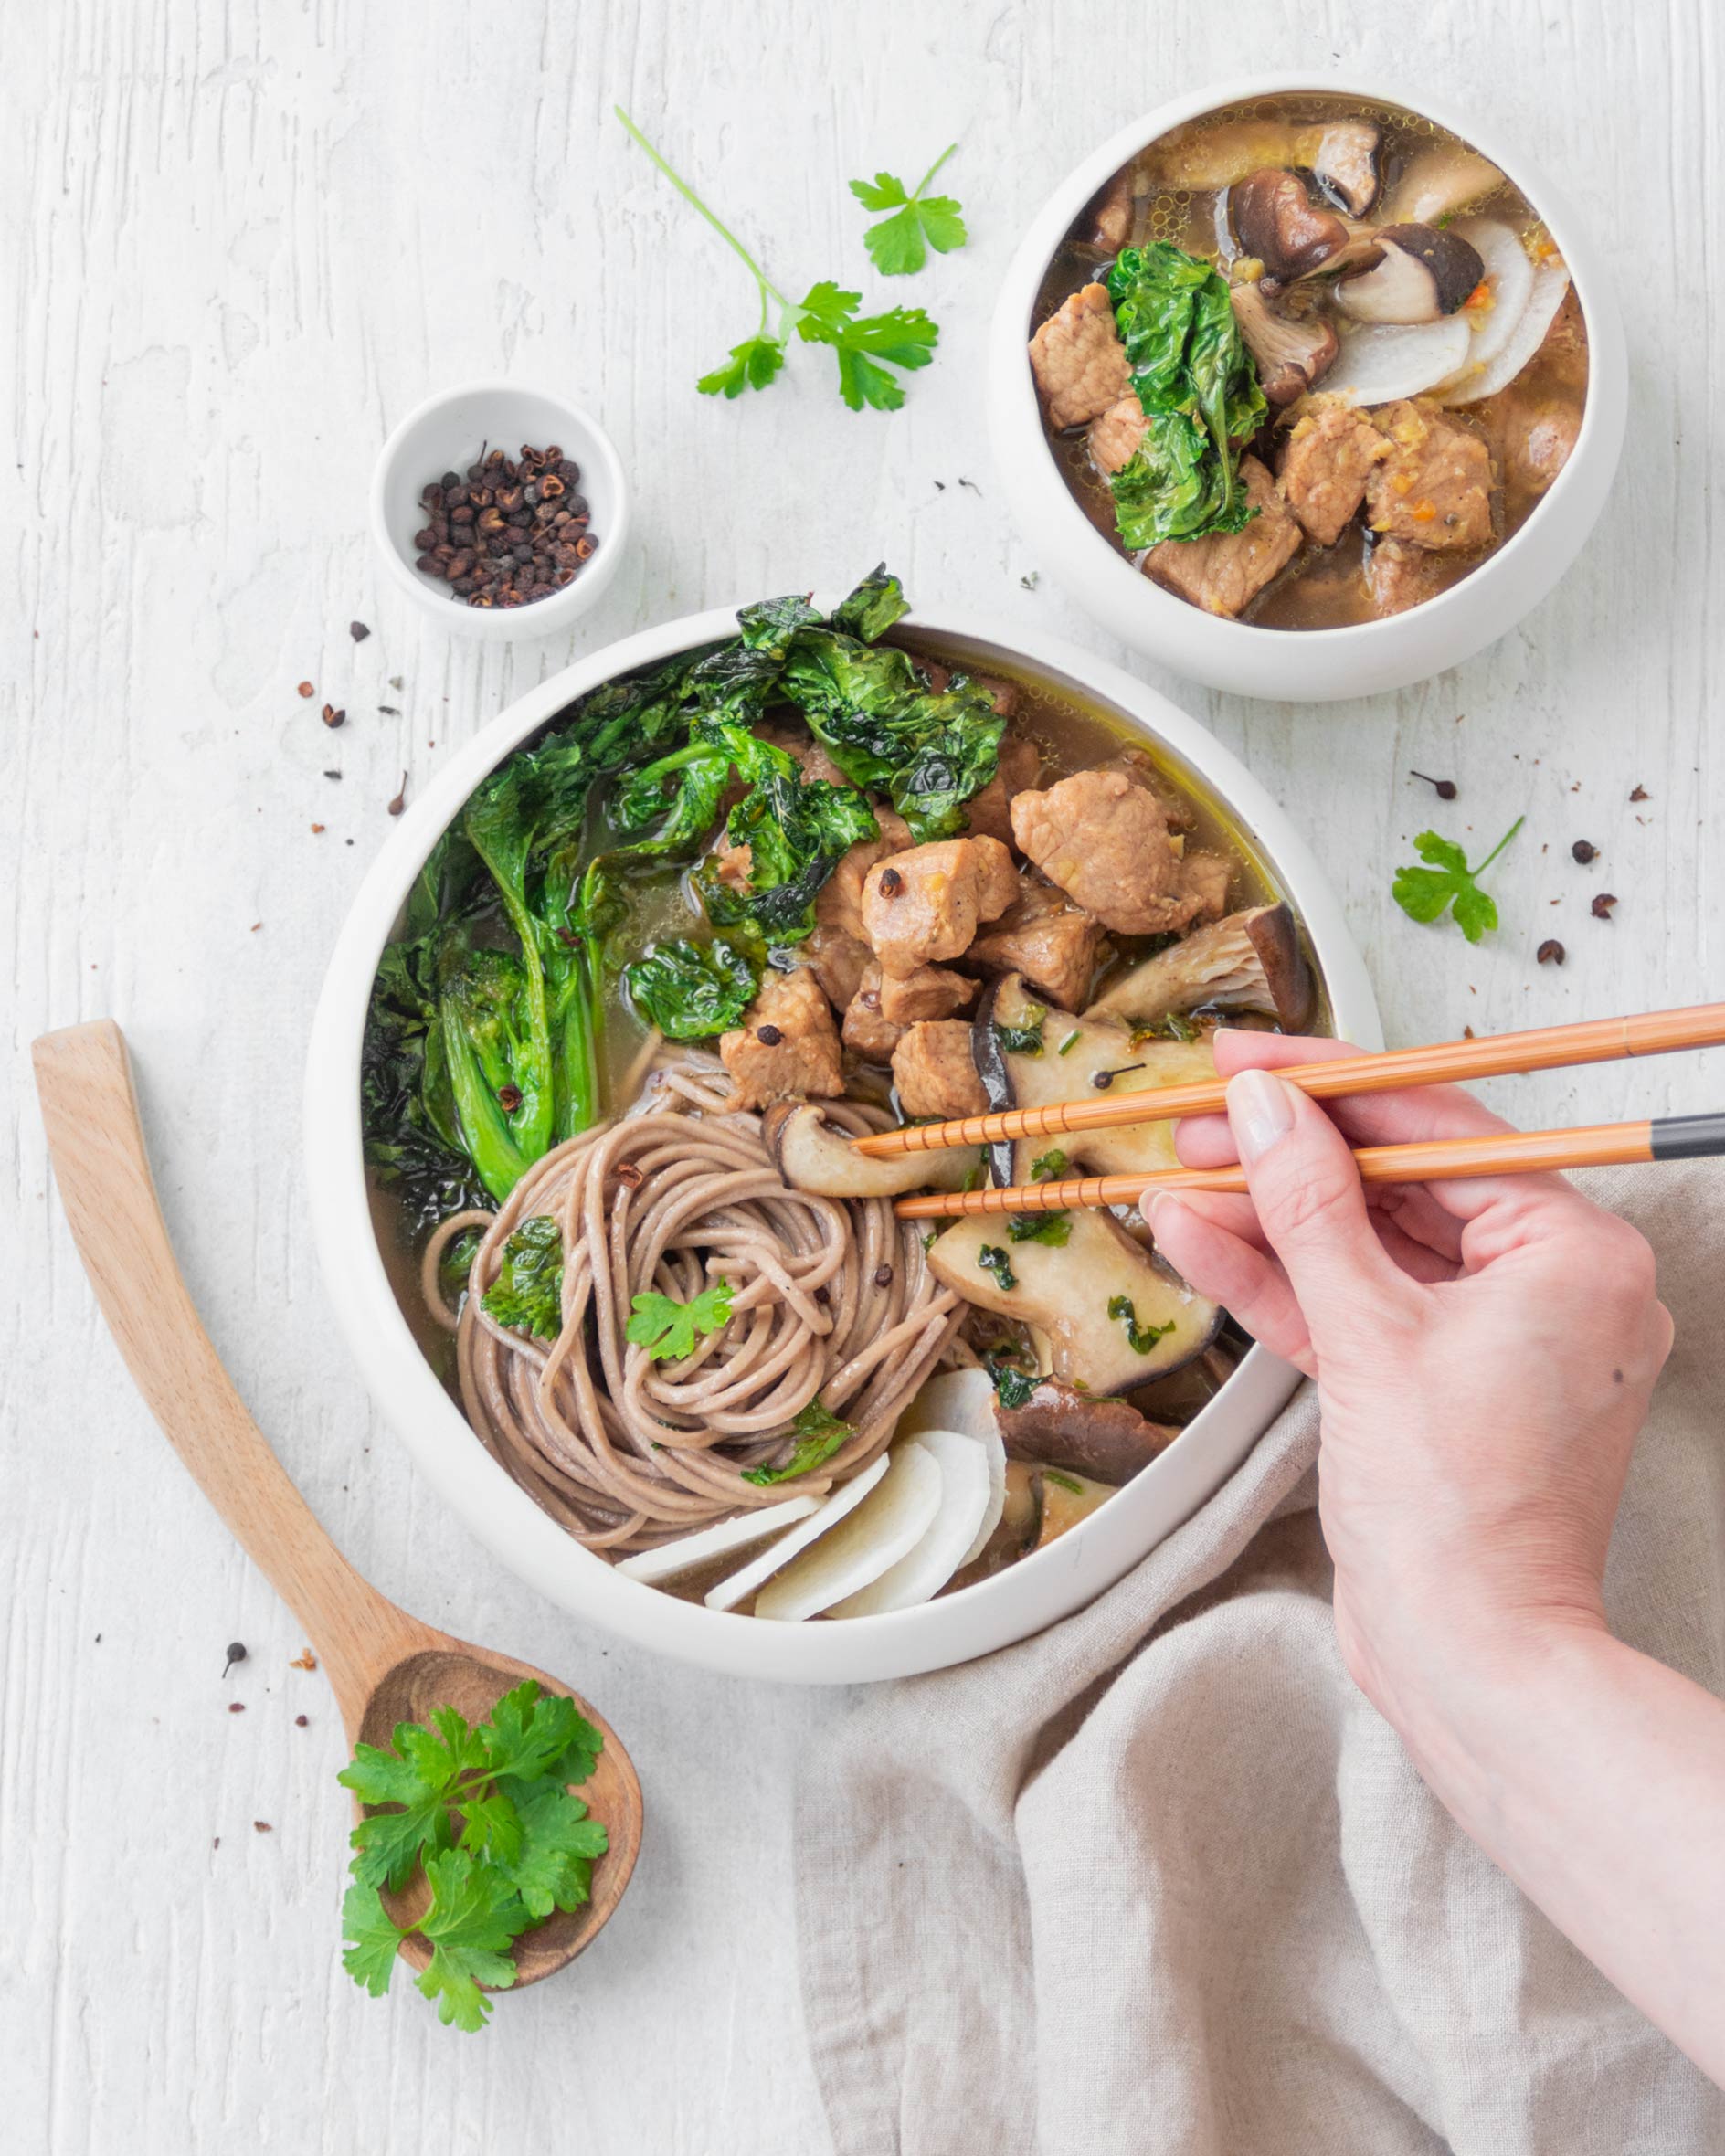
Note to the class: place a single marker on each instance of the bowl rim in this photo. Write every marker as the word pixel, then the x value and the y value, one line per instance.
pixel 542 617
pixel 399 1378
pixel 1018 407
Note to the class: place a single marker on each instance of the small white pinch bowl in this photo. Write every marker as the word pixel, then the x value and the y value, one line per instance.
pixel 1019 1600
pixel 446 433
pixel 1320 665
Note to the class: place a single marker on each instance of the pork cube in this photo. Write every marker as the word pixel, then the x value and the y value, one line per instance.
pixel 1204 878
pixel 923 904
pixel 1224 572
pixel 1328 458
pixel 787 1046
pixel 1102 836
pixel 837 960
pixel 840 905
pixel 989 813
pixel 867 1032
pixel 1433 488
pixel 932 991
pixel 1078 359
pixel 1053 943
pixel 1115 435
pixel 1399 576
pixel 934 1073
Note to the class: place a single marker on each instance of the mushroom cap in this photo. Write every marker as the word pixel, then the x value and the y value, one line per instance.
pixel 812 1154
pixel 1346 160
pixel 1247 961
pixel 1275 221
pixel 1425 274
pixel 1291 355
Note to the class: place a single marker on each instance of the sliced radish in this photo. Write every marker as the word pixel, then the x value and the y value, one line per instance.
pixel 964 1400
pixel 672 1560
pixel 1508 281
pixel 888 1525
pixel 738 1589
pixel 966 1497
pixel 1380 362
pixel 1550 281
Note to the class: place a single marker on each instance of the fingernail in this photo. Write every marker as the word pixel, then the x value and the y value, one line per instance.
pixel 1259 1111
pixel 1160 1205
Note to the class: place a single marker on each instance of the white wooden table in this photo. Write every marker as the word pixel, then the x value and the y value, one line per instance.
pixel 238 241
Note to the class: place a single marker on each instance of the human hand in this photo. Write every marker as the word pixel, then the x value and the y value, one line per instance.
pixel 1483 1352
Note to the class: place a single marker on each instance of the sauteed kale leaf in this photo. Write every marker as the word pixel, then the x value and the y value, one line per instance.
pixel 528 1294
pixel 484 1044
pixel 1199 392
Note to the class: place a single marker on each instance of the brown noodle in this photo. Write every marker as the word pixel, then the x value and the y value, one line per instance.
pixel 830 1301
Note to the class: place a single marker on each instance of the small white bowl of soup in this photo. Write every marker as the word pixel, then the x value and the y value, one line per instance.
pixel 1421 400
pixel 1079 713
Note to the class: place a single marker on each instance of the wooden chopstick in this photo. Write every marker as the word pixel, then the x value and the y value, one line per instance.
pixel 1518 1152
pixel 1445 1063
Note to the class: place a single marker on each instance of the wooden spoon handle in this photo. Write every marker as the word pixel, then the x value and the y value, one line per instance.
pixel 91 1111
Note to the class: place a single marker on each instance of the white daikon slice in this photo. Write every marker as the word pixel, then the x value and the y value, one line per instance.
pixel 888 1523
pixel 967 1492
pixel 1510 282
pixel 845 1500
pixel 1550 281
pixel 955 1400
pixel 672 1560
pixel 964 1400
pixel 1380 360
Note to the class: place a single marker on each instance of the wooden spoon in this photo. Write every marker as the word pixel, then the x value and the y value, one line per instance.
pixel 384 1667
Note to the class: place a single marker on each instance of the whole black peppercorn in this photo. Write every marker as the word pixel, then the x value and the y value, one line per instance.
pixel 768 1036
pixel 1584 852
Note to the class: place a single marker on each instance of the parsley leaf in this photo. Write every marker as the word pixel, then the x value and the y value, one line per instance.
pixel 533 1733
pixel 1048 1166
pixel 899 244
pixel 471 1923
pixel 527 1295
pixel 1424 895
pixel 1142 1336
pixel 1025 1038
pixel 558 1843
pixel 667 1329
pixel 1051 1228
pixel 992 1258
pixel 1013 1384
pixel 755 363
pixel 370 1958
pixel 819 1435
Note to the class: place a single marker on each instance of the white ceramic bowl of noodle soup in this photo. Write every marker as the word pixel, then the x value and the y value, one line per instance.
pixel 1317 665
pixel 1028 1595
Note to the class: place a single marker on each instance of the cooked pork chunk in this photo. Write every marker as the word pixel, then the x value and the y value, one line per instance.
pixel 989 813
pixel 840 905
pixel 932 991
pixel 923 904
pixel 1078 359
pixel 837 959
pixel 1115 435
pixel 1433 489
pixel 867 1032
pixel 1205 877
pixel 1400 576
pixel 1224 572
pixel 1328 458
pixel 1102 837
pixel 934 1073
pixel 1053 943
pixel 787 1046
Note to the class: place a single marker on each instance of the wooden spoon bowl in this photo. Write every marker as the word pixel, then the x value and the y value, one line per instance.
pixel 384 1666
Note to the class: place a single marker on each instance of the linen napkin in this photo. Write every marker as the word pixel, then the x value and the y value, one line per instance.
pixel 1160 1880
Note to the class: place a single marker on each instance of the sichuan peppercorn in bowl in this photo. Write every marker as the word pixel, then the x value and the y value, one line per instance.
pixel 531 547
pixel 468 1406
pixel 1308 389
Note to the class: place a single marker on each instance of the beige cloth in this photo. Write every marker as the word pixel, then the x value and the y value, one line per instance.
pixel 1160 1880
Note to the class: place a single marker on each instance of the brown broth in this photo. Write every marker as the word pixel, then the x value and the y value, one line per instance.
pixel 1321 588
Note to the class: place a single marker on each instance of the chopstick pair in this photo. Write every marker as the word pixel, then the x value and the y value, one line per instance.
pixel 1542 1047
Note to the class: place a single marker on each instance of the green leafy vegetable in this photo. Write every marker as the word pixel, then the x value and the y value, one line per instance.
pixel 818 1436
pixel 1424 893
pixel 866 347
pixel 485 1812
pixel 1198 390
pixel 667 1329
pixel 1142 1336
pixel 899 244
pixel 527 1295
pixel 1048 1166
pixel 873 607
pixel 1052 1228
pixel 691 991
pixel 1026 1038
pixel 796 830
pixel 993 1259
pixel 1013 1384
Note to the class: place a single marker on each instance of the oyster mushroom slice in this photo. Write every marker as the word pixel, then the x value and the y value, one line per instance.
pixel 1345 160
pixel 1076 1295
pixel 1107 1439
pixel 1437 182
pixel 1290 356
pixel 812 1153
pixel 1425 274
pixel 1247 961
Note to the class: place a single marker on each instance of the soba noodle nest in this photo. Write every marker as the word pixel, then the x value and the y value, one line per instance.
pixel 831 1300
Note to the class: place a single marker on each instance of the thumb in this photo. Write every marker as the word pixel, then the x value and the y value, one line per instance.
pixel 1310 1203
